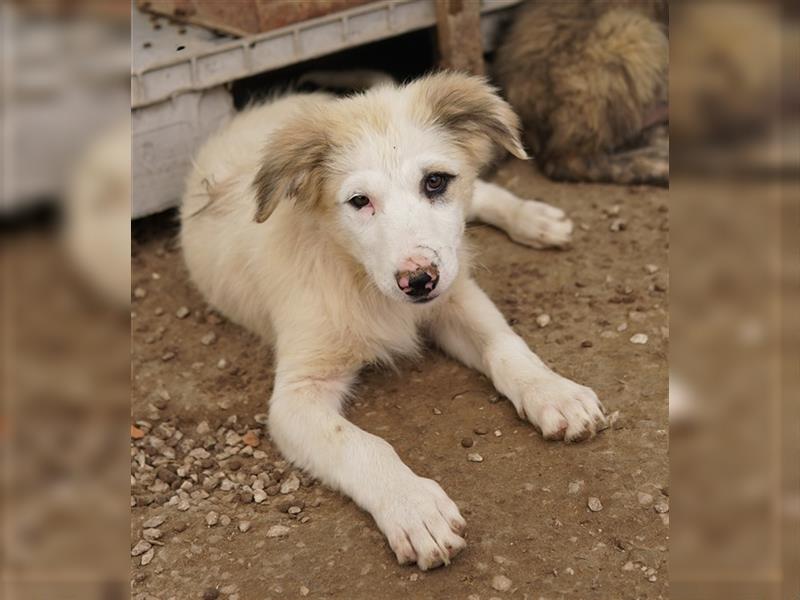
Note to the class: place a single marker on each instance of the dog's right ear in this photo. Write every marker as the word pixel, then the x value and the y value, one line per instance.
pixel 293 167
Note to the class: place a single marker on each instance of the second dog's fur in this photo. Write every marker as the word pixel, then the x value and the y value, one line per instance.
pixel 587 77
pixel 333 228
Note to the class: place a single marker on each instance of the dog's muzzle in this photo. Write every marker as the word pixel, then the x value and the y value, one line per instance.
pixel 418 283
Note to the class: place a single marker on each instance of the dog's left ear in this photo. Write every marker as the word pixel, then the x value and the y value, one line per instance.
pixel 293 166
pixel 471 110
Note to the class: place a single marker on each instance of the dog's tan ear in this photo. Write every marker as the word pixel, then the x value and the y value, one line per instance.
pixel 471 109
pixel 293 166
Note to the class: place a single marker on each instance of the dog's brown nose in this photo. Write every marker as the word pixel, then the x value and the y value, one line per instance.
pixel 420 282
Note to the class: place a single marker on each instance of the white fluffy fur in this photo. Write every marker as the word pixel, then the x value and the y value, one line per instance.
pixel 318 281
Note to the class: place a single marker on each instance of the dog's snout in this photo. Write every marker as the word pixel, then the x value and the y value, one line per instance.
pixel 419 280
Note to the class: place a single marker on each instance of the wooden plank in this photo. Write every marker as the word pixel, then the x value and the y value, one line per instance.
pixel 458 24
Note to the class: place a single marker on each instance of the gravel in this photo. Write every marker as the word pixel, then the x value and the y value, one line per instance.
pixel 244 526
pixel 639 338
pixel 467 442
pixel 290 484
pixel 594 504
pixel 141 547
pixel 182 312
pixel 474 457
pixel 277 531
pixel 543 320
pixel 501 583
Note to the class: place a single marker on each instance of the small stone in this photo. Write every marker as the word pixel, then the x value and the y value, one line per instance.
pixel 618 225
pixel 212 518
pixel 151 534
pixel 167 356
pixel 139 293
pixel 639 338
pixel 211 594
pixel 651 269
pixel 290 484
pixel 259 496
pixel 261 418
pixel 474 457
pixel 208 338
pixel 644 498
pixel 166 475
pixel 183 505
pixel 594 504
pixel 575 486
pixel 543 320
pixel 273 490
pixel 277 531
pixel 497 433
pixel 436 411
pixel 182 312
pixel 467 442
pixel 628 566
pixel 136 433
pixel 294 510
pixel 569 571
pixel 158 311
pixel 180 527
pixel 148 556
pixel 501 583
pixel 661 507
pixel 586 344
pixel 235 464
pixel 153 522
pixel 304 590
pixel 480 431
pixel 224 520
pixel 222 364
pixel 244 526
pixel 251 438
pixel 141 547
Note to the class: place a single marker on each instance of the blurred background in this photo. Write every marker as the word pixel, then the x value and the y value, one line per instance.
pixel 72 126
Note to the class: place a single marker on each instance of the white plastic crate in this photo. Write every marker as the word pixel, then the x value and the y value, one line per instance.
pixel 178 96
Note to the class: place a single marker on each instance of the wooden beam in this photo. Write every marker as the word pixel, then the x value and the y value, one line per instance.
pixel 458 25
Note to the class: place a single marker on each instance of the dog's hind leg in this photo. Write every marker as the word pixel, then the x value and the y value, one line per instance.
pixel 645 165
pixel 528 222
pixel 419 520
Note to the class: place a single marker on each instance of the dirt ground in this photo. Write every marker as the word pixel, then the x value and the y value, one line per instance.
pixel 195 397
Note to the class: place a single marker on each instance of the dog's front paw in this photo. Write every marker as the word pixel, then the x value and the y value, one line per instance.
pixel 540 225
pixel 563 409
pixel 421 523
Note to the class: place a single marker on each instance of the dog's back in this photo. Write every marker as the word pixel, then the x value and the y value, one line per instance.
pixel 585 76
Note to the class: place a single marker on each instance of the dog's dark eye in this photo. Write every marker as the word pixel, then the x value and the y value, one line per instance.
pixel 435 184
pixel 359 201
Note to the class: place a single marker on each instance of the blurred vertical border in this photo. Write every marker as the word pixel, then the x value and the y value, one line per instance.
pixel 64 296
pixel 735 162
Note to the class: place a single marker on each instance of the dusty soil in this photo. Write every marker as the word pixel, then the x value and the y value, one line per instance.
pixel 526 504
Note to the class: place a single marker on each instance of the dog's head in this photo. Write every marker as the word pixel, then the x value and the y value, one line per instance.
pixel 392 172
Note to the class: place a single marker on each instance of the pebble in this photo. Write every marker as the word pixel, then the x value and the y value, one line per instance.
pixel 594 504
pixel 467 442
pixel 645 498
pixel 661 507
pixel 543 320
pixel 180 527
pixel 639 338
pixel 618 225
pixel 480 431
pixel 575 486
pixel 212 518
pixel 139 292
pixel 251 438
pixel 259 496
pixel 474 457
pixel 294 510
pixel 497 433
pixel 261 418
pixel 167 356
pixel 148 556
pixel 208 338
pixel 158 311
pixel 244 526
pixel 651 268
pixel 141 547
pixel 136 433
pixel 182 312
pixel 304 590
pixel 586 344
pixel 222 363
pixel 211 594
pixel 501 583
pixel 153 522
pixel 436 411
pixel 277 531
pixel 290 484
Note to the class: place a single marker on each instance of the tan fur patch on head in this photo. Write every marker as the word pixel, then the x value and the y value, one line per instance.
pixel 295 166
pixel 470 110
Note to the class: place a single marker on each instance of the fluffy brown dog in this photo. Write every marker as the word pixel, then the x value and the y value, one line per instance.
pixel 589 80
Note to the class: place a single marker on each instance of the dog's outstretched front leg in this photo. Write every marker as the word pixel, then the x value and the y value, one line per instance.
pixel 528 222
pixel 468 326
pixel 419 520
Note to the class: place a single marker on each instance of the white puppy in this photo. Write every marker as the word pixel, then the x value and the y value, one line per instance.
pixel 333 228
